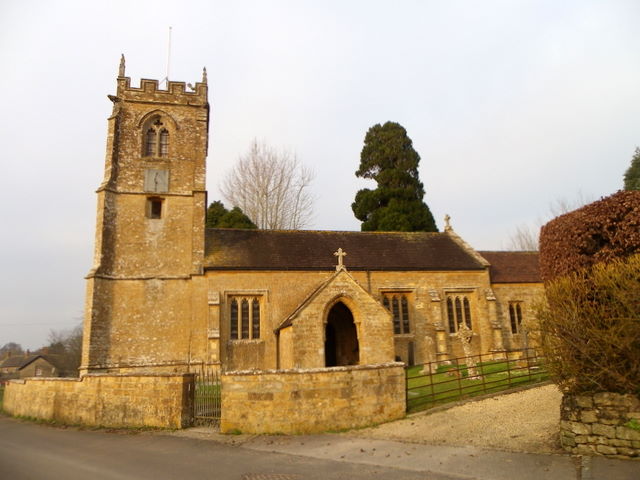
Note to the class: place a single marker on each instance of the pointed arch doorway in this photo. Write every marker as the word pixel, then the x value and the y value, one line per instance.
pixel 341 345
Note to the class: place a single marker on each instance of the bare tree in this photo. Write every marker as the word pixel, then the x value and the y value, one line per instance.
pixel 525 237
pixel 271 187
pixel 67 345
pixel 11 348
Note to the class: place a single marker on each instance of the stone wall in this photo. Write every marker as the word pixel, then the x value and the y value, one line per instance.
pixel 311 401
pixel 283 293
pixel 144 305
pixel 599 424
pixel 104 400
pixel 528 295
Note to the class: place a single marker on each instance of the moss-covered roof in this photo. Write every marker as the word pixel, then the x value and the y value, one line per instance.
pixel 235 249
pixel 513 267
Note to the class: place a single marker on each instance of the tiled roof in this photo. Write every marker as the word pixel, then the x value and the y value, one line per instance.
pixel 513 267
pixel 13 361
pixel 22 361
pixel 54 360
pixel 235 249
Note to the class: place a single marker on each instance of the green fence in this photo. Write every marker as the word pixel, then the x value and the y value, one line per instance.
pixel 435 383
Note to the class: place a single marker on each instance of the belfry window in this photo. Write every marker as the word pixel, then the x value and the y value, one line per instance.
pixel 458 311
pixel 150 143
pixel 398 305
pixel 244 317
pixel 156 140
pixel 164 143
pixel 515 316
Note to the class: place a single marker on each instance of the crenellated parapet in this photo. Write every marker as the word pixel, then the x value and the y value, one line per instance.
pixel 176 93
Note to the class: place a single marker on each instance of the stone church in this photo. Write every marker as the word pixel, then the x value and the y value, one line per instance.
pixel 167 295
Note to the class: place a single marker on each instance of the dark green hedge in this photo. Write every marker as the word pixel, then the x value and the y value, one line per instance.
pixel 598 232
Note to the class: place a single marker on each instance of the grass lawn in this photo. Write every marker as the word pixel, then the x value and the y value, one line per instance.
pixel 451 383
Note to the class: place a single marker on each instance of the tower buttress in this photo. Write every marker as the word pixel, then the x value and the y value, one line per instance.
pixel 150 225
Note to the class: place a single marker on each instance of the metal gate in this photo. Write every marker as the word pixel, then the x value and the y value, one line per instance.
pixel 434 383
pixel 207 397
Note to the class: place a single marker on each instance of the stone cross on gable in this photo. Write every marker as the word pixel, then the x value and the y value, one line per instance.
pixel 340 254
pixel 447 223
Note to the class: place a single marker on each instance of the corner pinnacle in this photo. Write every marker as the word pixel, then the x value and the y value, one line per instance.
pixel 121 68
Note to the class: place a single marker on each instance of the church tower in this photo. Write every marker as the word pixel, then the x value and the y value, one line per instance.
pixel 143 290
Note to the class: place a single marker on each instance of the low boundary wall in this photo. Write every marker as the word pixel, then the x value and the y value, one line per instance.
pixel 312 401
pixel 603 423
pixel 123 400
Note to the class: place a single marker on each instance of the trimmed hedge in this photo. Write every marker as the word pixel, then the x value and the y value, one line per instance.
pixel 601 231
pixel 590 328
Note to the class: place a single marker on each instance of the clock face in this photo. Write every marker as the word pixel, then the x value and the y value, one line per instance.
pixel 156 180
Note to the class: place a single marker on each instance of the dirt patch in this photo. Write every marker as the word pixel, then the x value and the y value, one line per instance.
pixel 525 421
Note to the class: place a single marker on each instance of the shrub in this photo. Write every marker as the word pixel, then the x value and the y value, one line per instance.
pixel 598 232
pixel 591 328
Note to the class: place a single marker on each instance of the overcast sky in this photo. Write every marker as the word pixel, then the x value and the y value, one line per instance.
pixel 510 104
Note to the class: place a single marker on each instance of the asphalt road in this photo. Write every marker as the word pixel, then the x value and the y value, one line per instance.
pixel 39 452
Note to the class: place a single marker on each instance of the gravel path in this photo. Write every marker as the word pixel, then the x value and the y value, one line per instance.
pixel 525 421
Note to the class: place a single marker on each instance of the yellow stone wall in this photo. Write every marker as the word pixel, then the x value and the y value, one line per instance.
pixel 284 291
pixel 312 401
pixel 146 302
pixel 151 306
pixel 527 293
pixel 104 400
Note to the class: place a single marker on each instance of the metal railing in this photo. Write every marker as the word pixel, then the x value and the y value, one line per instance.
pixel 207 398
pixel 435 383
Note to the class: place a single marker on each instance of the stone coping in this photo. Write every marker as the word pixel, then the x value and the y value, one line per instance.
pixel 346 368
pixel 98 375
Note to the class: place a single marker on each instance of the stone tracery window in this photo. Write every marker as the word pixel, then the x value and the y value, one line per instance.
pixel 398 304
pixel 244 317
pixel 156 139
pixel 515 316
pixel 458 311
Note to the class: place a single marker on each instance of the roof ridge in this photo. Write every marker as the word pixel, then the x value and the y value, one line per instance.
pixel 349 232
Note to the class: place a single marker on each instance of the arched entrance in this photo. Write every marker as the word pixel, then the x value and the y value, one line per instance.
pixel 341 338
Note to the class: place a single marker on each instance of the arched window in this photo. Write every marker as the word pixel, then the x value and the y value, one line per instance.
pixel 467 312
pixel 405 313
pixel 233 319
pixel 150 143
pixel 164 143
pixel 515 316
pixel 244 309
pixel 244 318
pixel 458 311
pixel 255 318
pixel 398 305
pixel 156 139
pixel 451 316
pixel 395 311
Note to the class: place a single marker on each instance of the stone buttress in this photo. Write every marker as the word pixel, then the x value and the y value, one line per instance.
pixel 146 294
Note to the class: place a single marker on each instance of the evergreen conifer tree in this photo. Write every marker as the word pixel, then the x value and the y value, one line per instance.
pixel 388 157
pixel 632 175
pixel 219 217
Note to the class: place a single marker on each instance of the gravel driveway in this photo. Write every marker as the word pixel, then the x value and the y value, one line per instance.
pixel 525 421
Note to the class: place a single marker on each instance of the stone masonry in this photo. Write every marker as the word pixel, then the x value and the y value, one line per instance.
pixel 313 400
pixel 601 423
